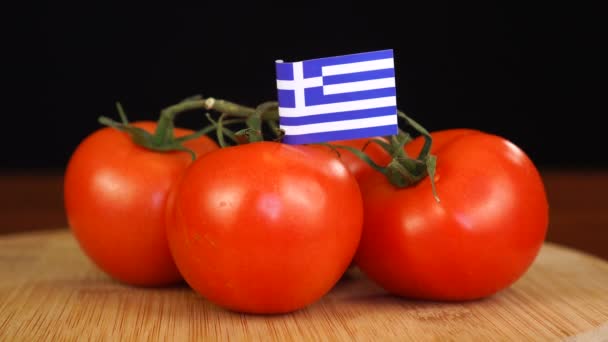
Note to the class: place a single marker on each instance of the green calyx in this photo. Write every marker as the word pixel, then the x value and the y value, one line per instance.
pixel 403 170
pixel 163 139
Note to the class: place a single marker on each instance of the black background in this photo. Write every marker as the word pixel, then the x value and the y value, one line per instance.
pixel 530 73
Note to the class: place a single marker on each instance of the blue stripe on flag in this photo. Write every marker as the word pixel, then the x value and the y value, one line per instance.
pixel 314 96
pixel 341 135
pixel 287 98
pixel 358 76
pixel 340 116
pixel 312 68
pixel 284 71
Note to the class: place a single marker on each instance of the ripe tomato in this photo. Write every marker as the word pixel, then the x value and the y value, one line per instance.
pixel 115 194
pixel 265 227
pixel 355 165
pixel 440 138
pixel 360 168
pixel 480 238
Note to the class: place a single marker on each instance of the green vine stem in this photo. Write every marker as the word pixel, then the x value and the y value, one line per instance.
pixel 163 139
pixel 220 128
pixel 237 110
pixel 402 171
pixel 253 132
pixel 253 118
pixel 274 127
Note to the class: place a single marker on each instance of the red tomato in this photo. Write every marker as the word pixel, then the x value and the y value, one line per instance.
pixel 115 195
pixel 355 165
pixel 265 227
pixel 480 238
pixel 360 168
pixel 440 138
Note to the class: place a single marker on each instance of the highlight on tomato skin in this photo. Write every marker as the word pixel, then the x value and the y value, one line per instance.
pixel 264 227
pixel 480 238
pixel 114 196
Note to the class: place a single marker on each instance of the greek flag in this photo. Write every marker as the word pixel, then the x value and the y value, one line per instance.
pixel 337 98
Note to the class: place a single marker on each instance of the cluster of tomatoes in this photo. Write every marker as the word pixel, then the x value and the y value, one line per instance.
pixel 265 227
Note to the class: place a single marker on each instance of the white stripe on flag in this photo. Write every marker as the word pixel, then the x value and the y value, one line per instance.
pixel 305 83
pixel 349 68
pixel 340 125
pixel 340 88
pixel 339 107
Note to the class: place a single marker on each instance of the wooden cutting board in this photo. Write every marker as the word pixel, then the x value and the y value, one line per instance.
pixel 50 291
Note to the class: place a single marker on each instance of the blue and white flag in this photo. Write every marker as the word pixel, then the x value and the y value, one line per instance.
pixel 337 98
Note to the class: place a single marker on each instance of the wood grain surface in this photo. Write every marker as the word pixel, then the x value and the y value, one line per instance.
pixel 50 291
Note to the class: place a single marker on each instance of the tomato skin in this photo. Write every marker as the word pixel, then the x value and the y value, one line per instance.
pixel 481 237
pixel 265 227
pixel 360 169
pixel 440 138
pixel 115 194
pixel 355 165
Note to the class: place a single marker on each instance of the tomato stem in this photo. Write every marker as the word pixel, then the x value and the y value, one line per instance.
pixel 425 156
pixel 164 129
pixel 233 109
pixel 121 113
pixel 253 118
pixel 253 132
pixel 360 154
pixel 402 171
pixel 274 127
pixel 221 130
pixel 163 140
